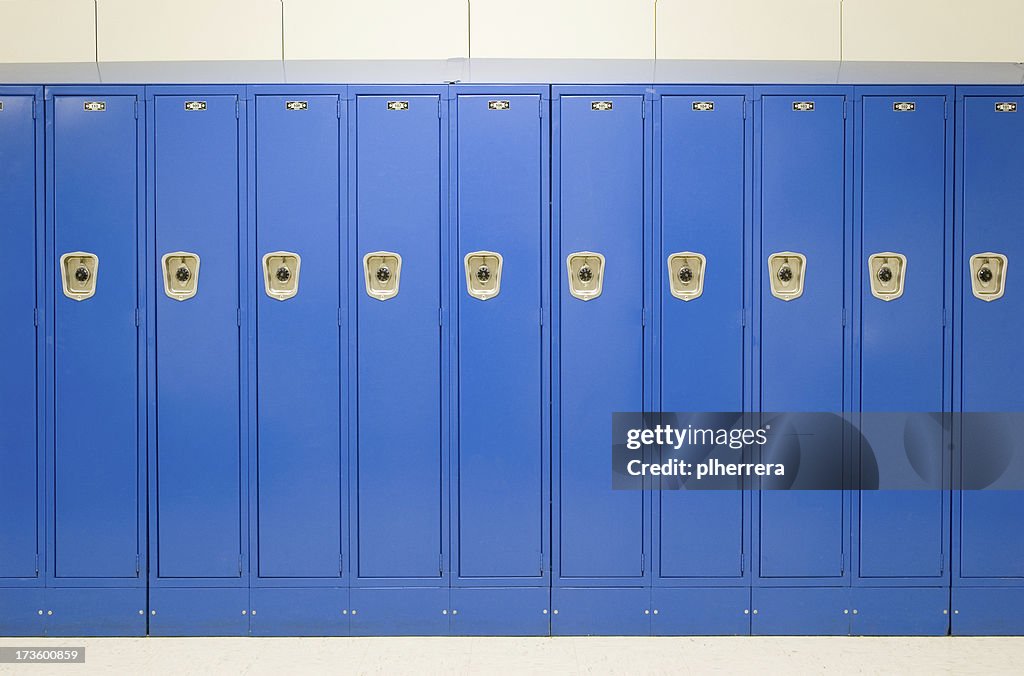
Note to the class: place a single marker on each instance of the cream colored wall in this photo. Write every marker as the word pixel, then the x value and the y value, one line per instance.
pixel 156 30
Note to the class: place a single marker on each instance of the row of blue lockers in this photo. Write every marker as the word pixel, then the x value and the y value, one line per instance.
pixel 328 360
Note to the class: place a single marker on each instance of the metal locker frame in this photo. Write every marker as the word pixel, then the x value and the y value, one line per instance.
pixel 123 601
pixel 488 605
pixel 291 606
pixel 198 605
pixel 978 605
pixel 900 603
pixel 622 603
pixel 413 606
pixel 22 597
pixel 774 600
pixel 677 598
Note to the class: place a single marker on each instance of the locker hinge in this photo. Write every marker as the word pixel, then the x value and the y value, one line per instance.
pixel 743 564
pixel 238 315
pixel 339 108
pixel 138 317
pixel 743 317
pixel 138 565
pixel 440 564
pixel 35 316
pixel 341 565
pixel 136 109
pixel 643 317
pixel 944 316
pixel 37 564
pixel 844 316
pixel 542 316
pixel 340 323
pixel 239 564
pixel 440 316
pixel 34 117
pixel 439 109
pixel 842 563
pixel 643 562
pixel 238 109
pixel 746 104
pixel 540 108
pixel 643 108
pixel 542 564
pixel 942 563
pixel 945 110
pixel 846 105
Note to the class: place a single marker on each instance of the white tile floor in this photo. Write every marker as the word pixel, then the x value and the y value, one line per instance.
pixel 610 655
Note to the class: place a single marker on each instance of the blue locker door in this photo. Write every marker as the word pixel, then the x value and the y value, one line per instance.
pixel 198 492
pixel 803 355
pixel 993 174
pixel 298 341
pixel 500 468
pixel 901 533
pixel 95 494
pixel 703 189
pixel 19 468
pixel 601 341
pixel 400 495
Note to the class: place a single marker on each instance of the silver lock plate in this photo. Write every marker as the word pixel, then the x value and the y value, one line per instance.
pixel 181 274
pixel 281 274
pixel 483 274
pixel 383 270
pixel 586 274
pixel 686 274
pixel 79 272
pixel 887 272
pixel 988 275
pixel 786 273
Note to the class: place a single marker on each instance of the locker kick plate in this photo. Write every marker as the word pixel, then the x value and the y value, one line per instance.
pixel 786 272
pixel 383 271
pixel 78 274
pixel 181 274
pixel 586 274
pixel 281 274
pixel 686 274
pixel 887 271
pixel 483 274
pixel 988 275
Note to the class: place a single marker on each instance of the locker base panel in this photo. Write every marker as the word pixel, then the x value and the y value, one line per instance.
pixel 96 611
pixel 988 611
pixel 700 611
pixel 600 611
pixel 500 611
pixel 800 611
pixel 296 611
pixel 399 611
pixel 899 611
pixel 20 609
pixel 199 611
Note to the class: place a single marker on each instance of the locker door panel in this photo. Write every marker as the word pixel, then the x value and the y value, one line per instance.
pixel 500 492
pixel 19 480
pixel 993 173
pixel 702 211
pixel 903 211
pixel 399 456
pixel 298 339
pixel 802 340
pixel 95 461
pixel 601 206
pixel 198 452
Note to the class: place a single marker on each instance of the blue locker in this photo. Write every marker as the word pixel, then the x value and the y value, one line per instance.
pixel 398 183
pixel 96 364
pixel 701 538
pixel 601 165
pixel 499 280
pixel 901 536
pixel 988 582
pixel 198 532
pixel 803 158
pixel 299 484
pixel 21 431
